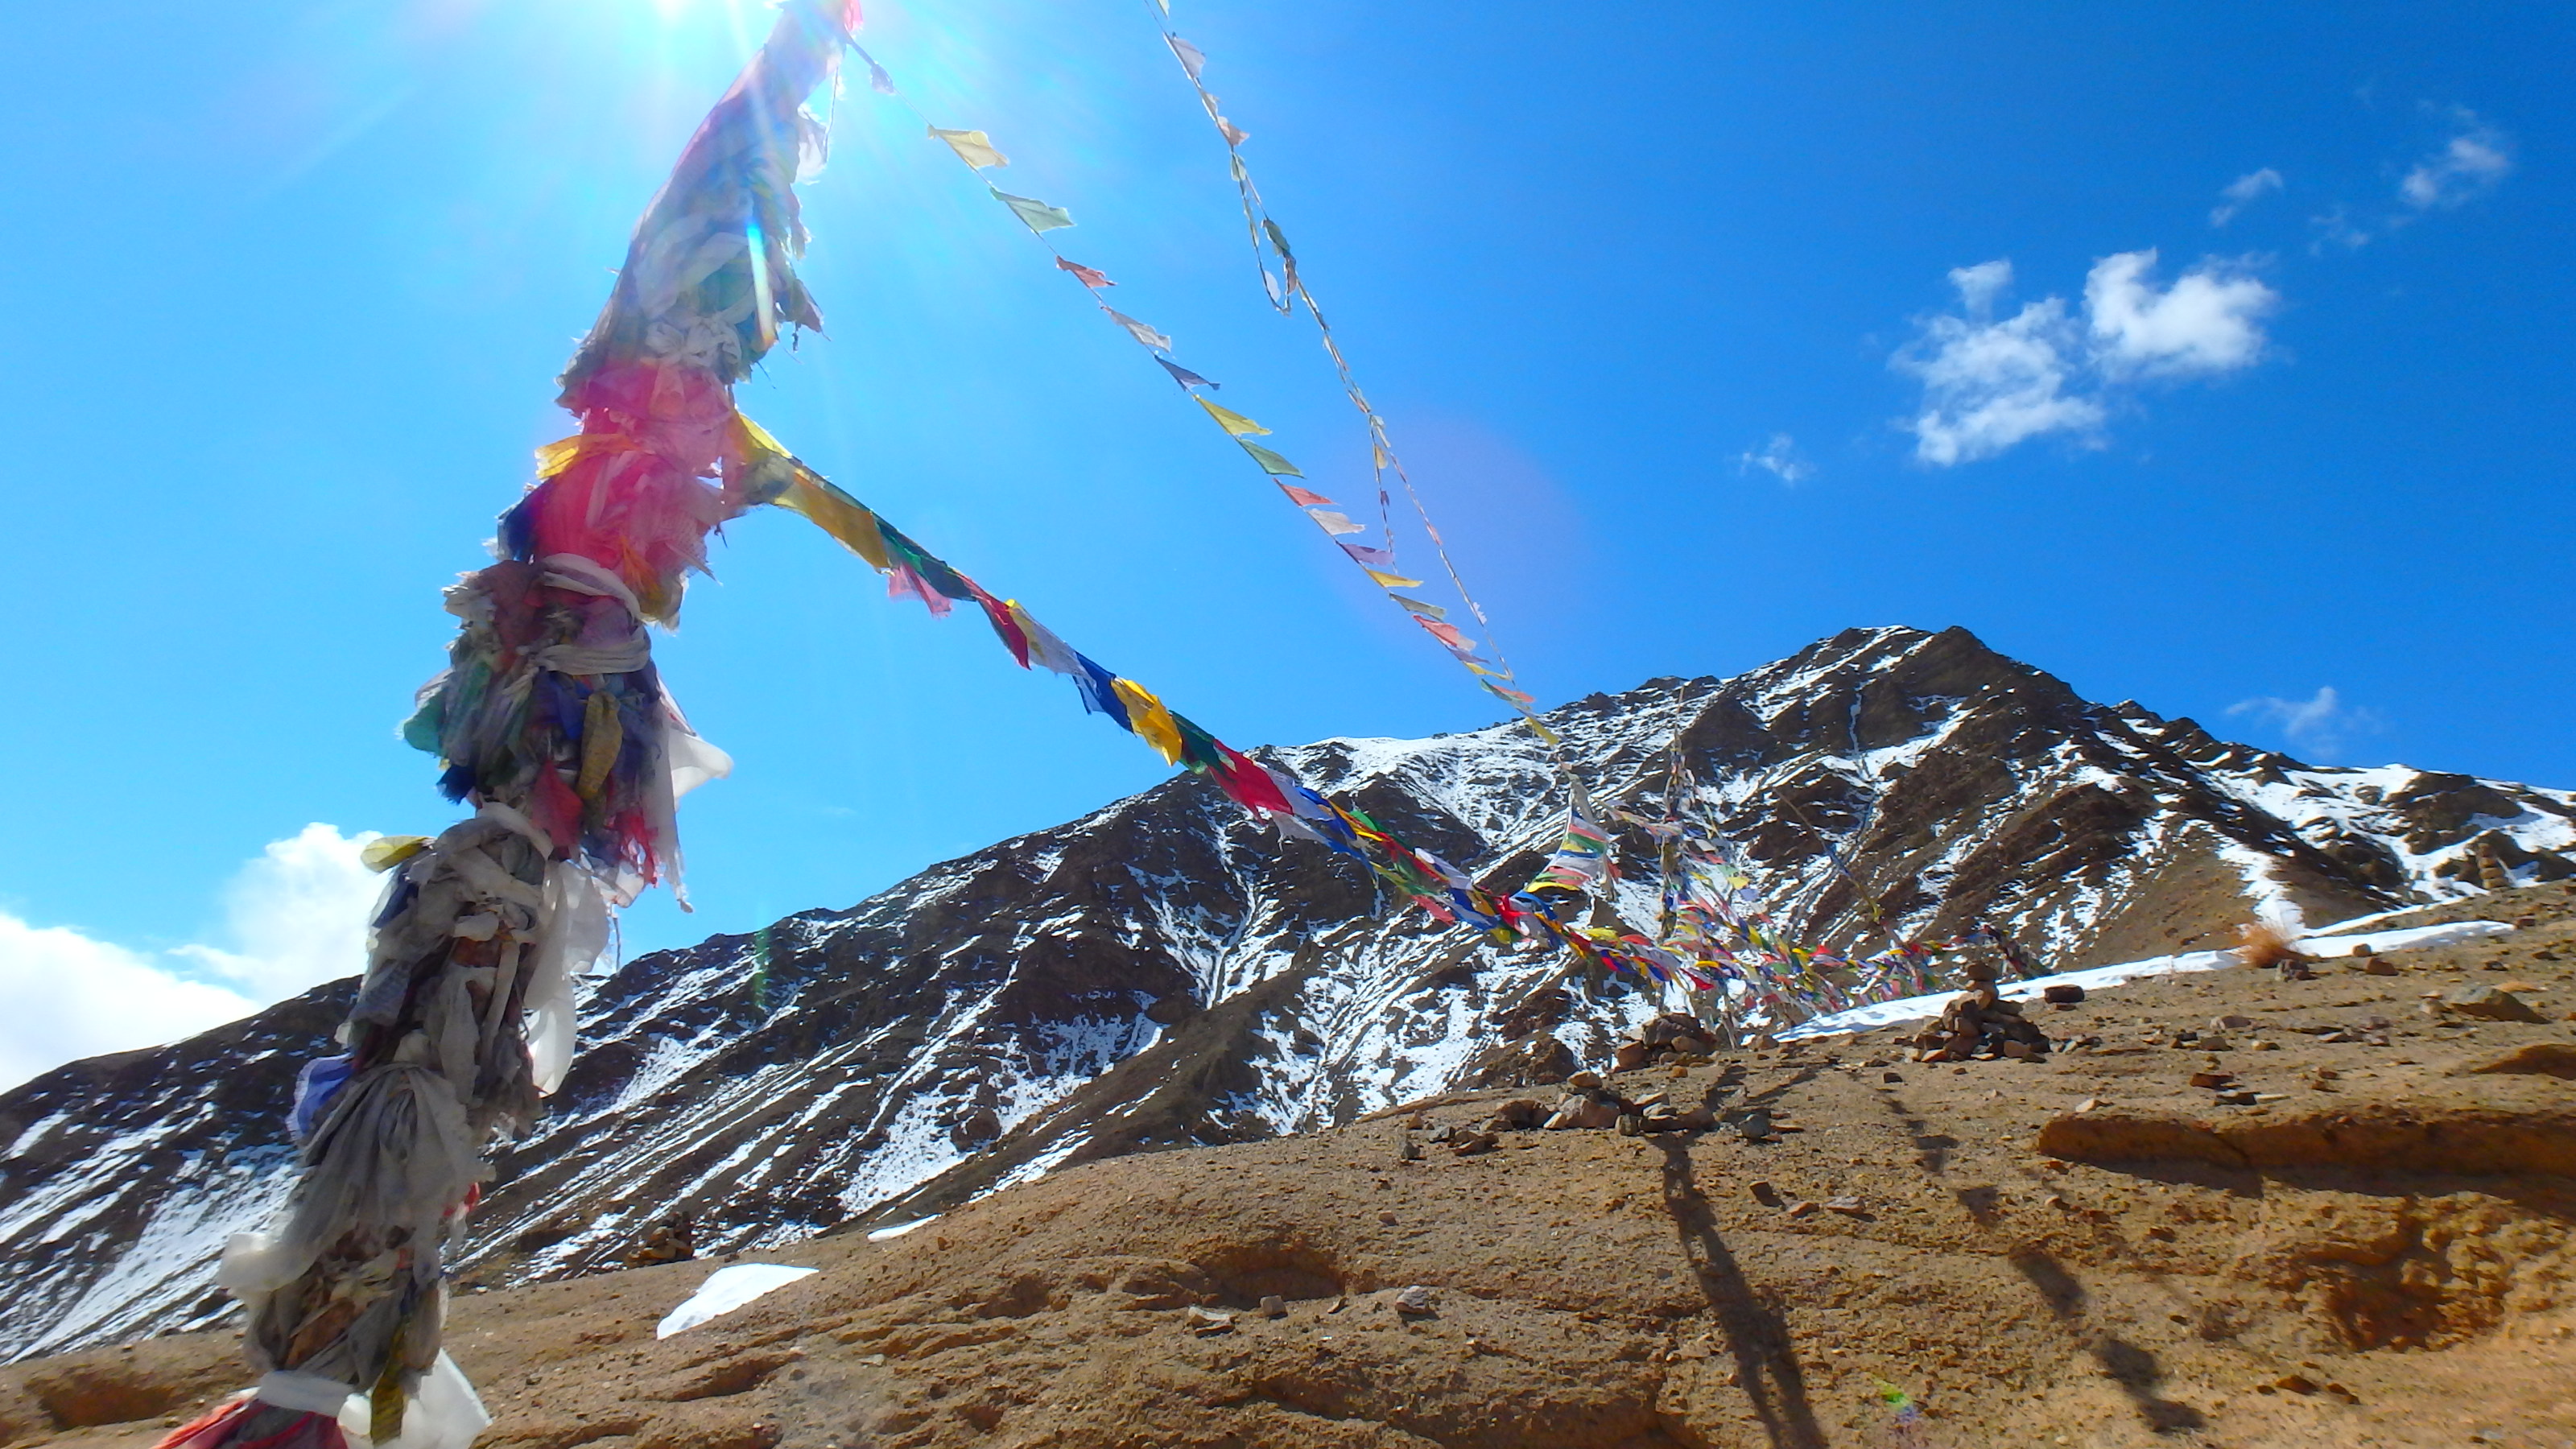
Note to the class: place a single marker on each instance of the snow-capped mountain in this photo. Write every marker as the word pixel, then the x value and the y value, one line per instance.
pixel 1164 972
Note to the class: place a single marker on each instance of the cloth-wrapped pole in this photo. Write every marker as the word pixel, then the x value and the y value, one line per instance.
pixel 552 724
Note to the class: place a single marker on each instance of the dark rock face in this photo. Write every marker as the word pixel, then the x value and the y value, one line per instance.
pixel 1165 973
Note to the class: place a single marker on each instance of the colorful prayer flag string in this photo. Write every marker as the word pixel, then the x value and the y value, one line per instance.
pixel 1493 674
pixel 1286 290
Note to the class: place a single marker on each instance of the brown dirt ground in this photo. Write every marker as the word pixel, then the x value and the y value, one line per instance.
pixel 2380 1257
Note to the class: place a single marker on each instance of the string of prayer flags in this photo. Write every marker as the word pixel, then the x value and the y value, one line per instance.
pixel 976 150
pixel 1581 858
pixel 1286 289
pixel 1267 792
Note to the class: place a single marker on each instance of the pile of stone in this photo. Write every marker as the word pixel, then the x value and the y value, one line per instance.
pixel 673 1240
pixel 1671 1039
pixel 1979 1025
pixel 1590 1103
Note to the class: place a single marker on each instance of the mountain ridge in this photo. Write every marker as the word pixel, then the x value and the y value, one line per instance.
pixel 1163 972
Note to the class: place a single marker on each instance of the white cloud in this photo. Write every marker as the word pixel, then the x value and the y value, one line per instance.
pixel 2243 192
pixel 1781 457
pixel 2472 163
pixel 2321 725
pixel 297 915
pixel 71 996
pixel 1990 384
pixel 294 918
pixel 2206 322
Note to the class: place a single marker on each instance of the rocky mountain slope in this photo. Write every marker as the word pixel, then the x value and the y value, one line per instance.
pixel 2089 1249
pixel 1164 973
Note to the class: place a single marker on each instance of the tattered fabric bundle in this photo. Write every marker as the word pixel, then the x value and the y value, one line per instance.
pixel 551 723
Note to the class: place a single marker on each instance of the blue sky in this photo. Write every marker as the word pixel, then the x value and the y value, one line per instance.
pixel 1688 317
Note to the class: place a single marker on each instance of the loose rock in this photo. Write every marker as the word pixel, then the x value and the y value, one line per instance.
pixel 2489 1003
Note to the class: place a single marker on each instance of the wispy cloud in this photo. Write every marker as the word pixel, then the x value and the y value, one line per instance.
pixel 294 918
pixel 1780 457
pixel 2321 726
pixel 2473 162
pixel 2336 228
pixel 2243 192
pixel 1993 381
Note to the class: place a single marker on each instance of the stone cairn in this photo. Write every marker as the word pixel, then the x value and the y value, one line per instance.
pixel 1671 1039
pixel 1589 1102
pixel 1979 1025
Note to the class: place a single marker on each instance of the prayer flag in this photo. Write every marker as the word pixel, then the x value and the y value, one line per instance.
pixel 845 518
pixel 1039 216
pixel 1099 692
pixel 1304 499
pixel 1334 523
pixel 878 80
pixel 1391 581
pixel 1418 608
pixel 972 147
pixel 1233 422
pixel 1233 135
pixel 1271 463
pixel 1139 330
pixel 1182 375
pixel 1149 719
pixel 903 583
pixel 1046 651
pixel 1375 558
pixel 1192 58
pixel 1085 275
pixel 1446 633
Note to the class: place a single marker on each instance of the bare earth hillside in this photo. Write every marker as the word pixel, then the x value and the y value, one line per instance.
pixel 2084 1250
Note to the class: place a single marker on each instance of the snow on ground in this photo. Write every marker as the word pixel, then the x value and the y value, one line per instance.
pixel 2097 978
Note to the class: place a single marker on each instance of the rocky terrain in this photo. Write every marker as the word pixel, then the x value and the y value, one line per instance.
pixel 2328 1242
pixel 1162 973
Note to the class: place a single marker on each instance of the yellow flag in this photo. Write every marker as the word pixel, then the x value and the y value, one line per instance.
pixel 562 453
pixel 1230 420
pixel 1392 581
pixel 1152 722
pixel 387 851
pixel 840 515
pixel 972 147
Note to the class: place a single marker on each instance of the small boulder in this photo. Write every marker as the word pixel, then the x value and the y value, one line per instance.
pixel 2063 994
pixel 1415 1299
pixel 2489 1003
pixel 2540 1059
